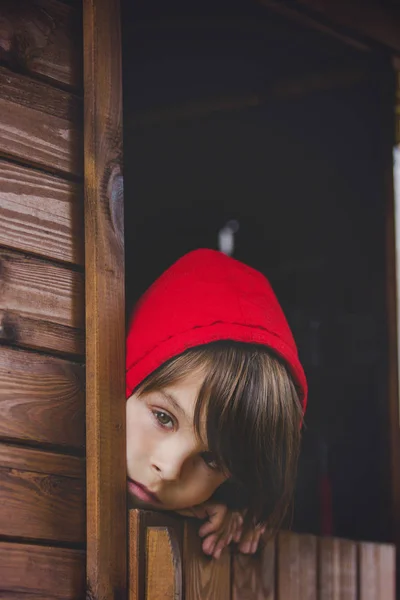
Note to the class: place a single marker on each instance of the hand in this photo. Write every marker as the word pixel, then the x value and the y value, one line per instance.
pixel 222 527
pixel 250 539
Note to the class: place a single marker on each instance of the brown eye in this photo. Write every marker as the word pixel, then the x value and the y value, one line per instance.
pixel 163 419
pixel 209 459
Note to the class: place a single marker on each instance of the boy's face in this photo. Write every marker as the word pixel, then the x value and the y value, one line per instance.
pixel 168 467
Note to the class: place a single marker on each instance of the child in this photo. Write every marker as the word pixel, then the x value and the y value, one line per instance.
pixel 216 395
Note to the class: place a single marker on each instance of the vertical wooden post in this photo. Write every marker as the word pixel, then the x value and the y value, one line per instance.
pixel 105 327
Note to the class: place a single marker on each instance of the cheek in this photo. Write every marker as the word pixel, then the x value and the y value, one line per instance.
pixel 200 486
pixel 139 428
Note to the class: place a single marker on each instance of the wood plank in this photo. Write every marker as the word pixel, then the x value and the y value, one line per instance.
pixel 44 293
pixel 41 506
pixel 105 301
pixel 42 335
pixel 43 97
pixel 140 523
pixel 49 572
pixel 42 494
pixel 254 576
pixel 40 461
pixel 377 564
pixel 39 139
pixel 163 562
pixel 297 567
pixel 337 567
pixel 42 399
pixel 42 37
pixel 41 214
pixel 204 577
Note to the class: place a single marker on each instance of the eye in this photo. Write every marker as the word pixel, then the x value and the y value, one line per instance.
pixel 163 419
pixel 209 459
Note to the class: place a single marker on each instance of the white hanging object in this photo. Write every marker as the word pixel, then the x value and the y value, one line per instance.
pixel 226 237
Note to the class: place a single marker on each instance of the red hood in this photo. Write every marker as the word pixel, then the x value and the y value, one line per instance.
pixel 204 297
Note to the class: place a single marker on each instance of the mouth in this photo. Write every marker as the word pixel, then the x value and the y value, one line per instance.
pixel 142 493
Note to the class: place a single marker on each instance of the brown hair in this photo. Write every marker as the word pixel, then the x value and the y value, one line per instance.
pixel 252 422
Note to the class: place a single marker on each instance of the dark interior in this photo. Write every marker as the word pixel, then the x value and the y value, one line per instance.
pixel 235 112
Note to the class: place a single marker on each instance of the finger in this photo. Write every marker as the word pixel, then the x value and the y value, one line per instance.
pixel 208 544
pixel 246 542
pixel 220 545
pixel 216 514
pixel 256 540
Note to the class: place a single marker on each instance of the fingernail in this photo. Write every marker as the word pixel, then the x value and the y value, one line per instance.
pixel 246 547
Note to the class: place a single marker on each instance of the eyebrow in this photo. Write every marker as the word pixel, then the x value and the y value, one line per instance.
pixel 170 398
pixel 175 404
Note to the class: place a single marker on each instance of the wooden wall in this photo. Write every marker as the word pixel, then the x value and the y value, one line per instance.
pixel 42 374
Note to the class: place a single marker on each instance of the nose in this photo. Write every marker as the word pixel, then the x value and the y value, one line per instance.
pixel 171 458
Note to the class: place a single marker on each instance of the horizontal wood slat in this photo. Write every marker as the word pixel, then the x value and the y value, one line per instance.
pixel 41 214
pixel 45 98
pixel 42 37
pixel 49 572
pixel 40 505
pixel 40 461
pixel 41 304
pixel 42 399
pixel 40 139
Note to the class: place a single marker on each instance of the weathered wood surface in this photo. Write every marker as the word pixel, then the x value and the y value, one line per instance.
pixel 163 575
pixel 41 304
pixel 377 564
pixel 253 576
pixel 41 506
pixel 297 566
pixel 48 572
pixel 41 214
pixel 42 399
pixel 204 577
pixel 337 564
pixel 42 37
pixel 38 461
pixel 105 301
pixel 143 557
pixel 40 125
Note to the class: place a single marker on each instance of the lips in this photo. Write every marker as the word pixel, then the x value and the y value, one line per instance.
pixel 142 493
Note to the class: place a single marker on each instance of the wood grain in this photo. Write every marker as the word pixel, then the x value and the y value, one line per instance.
pixel 42 335
pixel 140 523
pixel 105 301
pixel 42 292
pixel 39 461
pixel 163 565
pixel 39 139
pixel 41 399
pixel 204 577
pixel 337 564
pixel 30 93
pixel 377 564
pixel 42 37
pixel 41 506
pixel 254 576
pixel 297 567
pixel 46 571
pixel 41 214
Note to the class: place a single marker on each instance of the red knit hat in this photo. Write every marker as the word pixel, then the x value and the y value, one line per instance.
pixel 204 297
